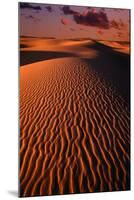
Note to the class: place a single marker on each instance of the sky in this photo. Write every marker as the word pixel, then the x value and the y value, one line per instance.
pixel 69 22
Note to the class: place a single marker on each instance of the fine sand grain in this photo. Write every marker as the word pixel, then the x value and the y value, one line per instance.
pixel 74 128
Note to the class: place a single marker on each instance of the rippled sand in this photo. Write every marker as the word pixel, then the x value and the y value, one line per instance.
pixel 74 124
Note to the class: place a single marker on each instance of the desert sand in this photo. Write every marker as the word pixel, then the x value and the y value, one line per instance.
pixel 74 117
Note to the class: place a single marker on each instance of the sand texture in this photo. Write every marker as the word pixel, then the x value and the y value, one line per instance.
pixel 74 118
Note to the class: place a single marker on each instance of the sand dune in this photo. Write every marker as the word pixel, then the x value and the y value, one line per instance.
pixel 118 46
pixel 53 46
pixel 69 45
pixel 74 129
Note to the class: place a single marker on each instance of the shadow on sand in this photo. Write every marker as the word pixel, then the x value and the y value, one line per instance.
pixel 28 57
pixel 113 66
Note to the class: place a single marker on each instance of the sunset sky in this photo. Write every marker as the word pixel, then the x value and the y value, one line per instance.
pixel 59 21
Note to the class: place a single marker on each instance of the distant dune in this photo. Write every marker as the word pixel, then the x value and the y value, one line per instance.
pixel 123 47
pixel 74 117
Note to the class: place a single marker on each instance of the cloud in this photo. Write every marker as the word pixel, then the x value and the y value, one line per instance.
pixel 102 9
pixel 68 11
pixel 85 12
pixel 91 18
pixel 114 24
pixel 49 8
pixel 64 21
pixel 94 17
pixel 117 24
pixel 29 6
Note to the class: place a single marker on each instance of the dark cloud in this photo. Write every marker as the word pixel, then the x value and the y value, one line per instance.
pixel 117 24
pixel 29 6
pixel 68 11
pixel 102 9
pixel 49 8
pixel 89 7
pixel 96 19
pixel 93 17
pixel 114 24
pixel 90 17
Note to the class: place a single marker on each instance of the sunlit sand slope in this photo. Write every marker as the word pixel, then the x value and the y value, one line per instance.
pixel 74 130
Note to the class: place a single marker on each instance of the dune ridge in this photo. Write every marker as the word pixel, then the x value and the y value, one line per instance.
pixel 74 130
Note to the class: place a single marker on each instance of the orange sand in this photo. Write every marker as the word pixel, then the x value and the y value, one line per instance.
pixel 74 128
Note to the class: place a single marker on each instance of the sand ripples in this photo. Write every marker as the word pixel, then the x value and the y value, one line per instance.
pixel 74 130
